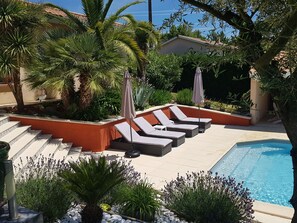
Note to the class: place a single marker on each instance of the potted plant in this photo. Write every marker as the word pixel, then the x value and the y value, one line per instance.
pixel 4 148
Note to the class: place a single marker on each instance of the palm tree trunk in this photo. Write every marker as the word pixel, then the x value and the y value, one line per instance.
pixel 150 11
pixel 16 88
pixel 289 118
pixel 85 95
pixel 92 213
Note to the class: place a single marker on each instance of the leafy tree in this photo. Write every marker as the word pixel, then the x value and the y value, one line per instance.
pixel 91 181
pixel 109 36
pixel 20 26
pixel 185 29
pixel 217 36
pixel 266 39
pixel 164 71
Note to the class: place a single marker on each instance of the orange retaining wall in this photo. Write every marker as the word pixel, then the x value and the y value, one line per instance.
pixel 97 137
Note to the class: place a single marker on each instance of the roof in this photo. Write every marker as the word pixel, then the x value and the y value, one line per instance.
pixel 194 40
pixel 57 12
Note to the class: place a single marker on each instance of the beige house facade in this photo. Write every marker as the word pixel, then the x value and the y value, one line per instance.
pixel 183 44
pixel 29 95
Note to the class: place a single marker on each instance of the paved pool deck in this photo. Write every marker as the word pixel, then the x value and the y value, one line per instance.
pixel 202 152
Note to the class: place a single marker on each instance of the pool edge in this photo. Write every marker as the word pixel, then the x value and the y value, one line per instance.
pixel 273 209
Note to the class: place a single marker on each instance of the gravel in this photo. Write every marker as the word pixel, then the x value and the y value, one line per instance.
pixel 165 216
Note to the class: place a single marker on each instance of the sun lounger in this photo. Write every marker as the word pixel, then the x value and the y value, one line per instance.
pixel 177 138
pixel 190 130
pixel 204 123
pixel 146 145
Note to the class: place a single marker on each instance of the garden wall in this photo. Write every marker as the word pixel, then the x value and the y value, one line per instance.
pixel 97 136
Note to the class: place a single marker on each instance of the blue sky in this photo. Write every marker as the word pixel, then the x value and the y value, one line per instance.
pixel 161 10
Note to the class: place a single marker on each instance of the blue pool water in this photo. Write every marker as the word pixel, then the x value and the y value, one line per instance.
pixel 265 167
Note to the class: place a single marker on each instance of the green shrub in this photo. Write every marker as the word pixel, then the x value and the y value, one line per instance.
pixel 184 97
pixel 203 197
pixel 160 97
pixel 111 101
pixel 142 94
pixel 163 71
pixel 138 201
pixel 39 188
pixel 95 112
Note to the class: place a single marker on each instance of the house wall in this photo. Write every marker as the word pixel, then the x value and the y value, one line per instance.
pixel 181 46
pixel 29 95
pixel 260 99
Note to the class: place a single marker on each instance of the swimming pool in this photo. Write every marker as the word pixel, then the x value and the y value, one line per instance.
pixel 265 167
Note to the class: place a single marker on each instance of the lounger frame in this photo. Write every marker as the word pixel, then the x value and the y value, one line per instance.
pixel 153 150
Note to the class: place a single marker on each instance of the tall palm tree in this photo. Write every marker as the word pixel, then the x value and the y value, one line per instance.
pixel 20 26
pixel 91 181
pixel 110 37
pixel 145 36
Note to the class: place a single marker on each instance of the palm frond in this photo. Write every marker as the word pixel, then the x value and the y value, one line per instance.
pixel 92 180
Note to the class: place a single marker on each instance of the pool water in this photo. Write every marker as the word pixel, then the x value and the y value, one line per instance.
pixel 265 167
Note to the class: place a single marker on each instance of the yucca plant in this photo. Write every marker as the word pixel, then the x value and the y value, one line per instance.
pixel 91 180
pixel 21 26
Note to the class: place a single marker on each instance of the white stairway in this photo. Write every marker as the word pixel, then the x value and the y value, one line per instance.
pixel 27 143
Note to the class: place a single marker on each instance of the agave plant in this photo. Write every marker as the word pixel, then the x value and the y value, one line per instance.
pixel 142 94
pixel 91 180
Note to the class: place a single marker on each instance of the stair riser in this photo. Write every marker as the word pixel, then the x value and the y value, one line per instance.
pixel 4 121
pixel 24 159
pixel 24 147
pixel 18 136
pixel 8 130
pixel 42 148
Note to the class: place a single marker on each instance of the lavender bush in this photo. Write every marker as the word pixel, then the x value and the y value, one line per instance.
pixel 203 197
pixel 39 188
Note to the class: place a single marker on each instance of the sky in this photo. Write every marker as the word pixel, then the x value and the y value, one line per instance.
pixel 161 10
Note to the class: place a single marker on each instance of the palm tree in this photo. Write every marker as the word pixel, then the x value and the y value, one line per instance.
pixel 91 181
pixel 61 60
pixel 110 37
pixel 145 36
pixel 20 25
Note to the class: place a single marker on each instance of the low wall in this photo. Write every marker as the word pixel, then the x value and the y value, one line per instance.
pixel 97 136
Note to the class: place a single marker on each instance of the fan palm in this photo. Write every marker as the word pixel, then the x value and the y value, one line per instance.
pixel 19 27
pixel 110 36
pixel 62 60
pixel 91 181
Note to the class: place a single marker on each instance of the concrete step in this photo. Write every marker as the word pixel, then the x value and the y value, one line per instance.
pixel 3 120
pixel 85 155
pixel 15 134
pixel 62 151
pixel 22 143
pixel 8 127
pixel 50 149
pixel 73 154
pixel 31 152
